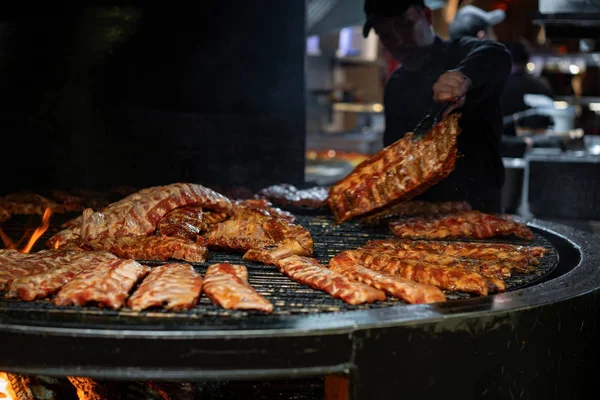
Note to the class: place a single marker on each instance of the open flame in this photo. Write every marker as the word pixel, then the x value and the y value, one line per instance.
pixel 37 233
pixel 6 391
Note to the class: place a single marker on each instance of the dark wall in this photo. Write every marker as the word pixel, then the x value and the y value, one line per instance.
pixel 139 95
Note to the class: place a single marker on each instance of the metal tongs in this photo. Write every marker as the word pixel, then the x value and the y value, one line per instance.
pixel 431 119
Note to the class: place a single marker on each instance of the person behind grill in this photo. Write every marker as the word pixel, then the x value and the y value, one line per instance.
pixel 468 72
pixel 471 21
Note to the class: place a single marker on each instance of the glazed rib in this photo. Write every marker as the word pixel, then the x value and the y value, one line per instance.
pixel 183 222
pixel 513 257
pixel 259 210
pixel 176 286
pixel 227 285
pixel 491 268
pixel 469 224
pixel 139 213
pixel 47 283
pixel 417 207
pixel 449 278
pixel 14 264
pixel 160 248
pixel 264 241
pixel 107 284
pixel 309 272
pixel 397 173
pixel 407 290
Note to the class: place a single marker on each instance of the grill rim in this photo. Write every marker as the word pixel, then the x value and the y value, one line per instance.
pixel 537 294
pixel 303 345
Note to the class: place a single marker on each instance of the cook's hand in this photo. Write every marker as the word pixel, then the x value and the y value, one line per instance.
pixel 451 86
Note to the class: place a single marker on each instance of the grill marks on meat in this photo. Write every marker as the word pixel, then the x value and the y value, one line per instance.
pixel 139 213
pixel 184 222
pixel 47 283
pixel 212 217
pixel 418 207
pixel 264 241
pixel 227 285
pixel 259 210
pixel 160 248
pixel 176 286
pixel 14 264
pixel 307 271
pixel 106 284
pixel 449 278
pixel 518 258
pixel 397 173
pixel 468 224
pixel 289 195
pixel 407 290
pixel 487 268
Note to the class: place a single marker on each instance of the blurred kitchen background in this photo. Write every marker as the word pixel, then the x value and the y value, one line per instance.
pixel 556 178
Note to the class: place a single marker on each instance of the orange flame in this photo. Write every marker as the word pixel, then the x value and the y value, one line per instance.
pixel 6 391
pixel 37 233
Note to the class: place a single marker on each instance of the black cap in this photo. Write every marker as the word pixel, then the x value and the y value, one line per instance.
pixel 386 8
pixel 470 20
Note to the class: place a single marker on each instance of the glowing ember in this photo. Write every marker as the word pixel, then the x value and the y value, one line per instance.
pixel 37 233
pixel 6 391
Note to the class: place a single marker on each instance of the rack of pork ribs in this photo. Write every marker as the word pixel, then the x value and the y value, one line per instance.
pixel 108 258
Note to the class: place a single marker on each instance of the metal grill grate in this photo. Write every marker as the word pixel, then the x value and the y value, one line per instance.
pixel 288 297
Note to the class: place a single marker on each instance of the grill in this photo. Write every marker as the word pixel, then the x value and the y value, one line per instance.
pixel 544 327
pixel 287 296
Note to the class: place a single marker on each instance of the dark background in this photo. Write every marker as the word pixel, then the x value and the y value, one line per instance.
pixel 97 96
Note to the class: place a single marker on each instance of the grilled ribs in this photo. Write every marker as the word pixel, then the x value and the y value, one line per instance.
pixel 418 207
pixel 263 241
pixel 176 286
pixel 227 285
pixel 407 290
pixel 14 264
pixel 514 257
pixel 468 224
pixel 397 173
pixel 289 195
pixel 309 272
pixel 449 278
pixel 47 283
pixel 259 210
pixel 107 284
pixel 139 213
pixel 184 222
pixel 160 248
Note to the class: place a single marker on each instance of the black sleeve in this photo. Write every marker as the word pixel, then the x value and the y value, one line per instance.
pixel 487 64
pixel 512 147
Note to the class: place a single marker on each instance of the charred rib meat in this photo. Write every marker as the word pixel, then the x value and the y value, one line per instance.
pixel 139 213
pixel 468 224
pixel 309 272
pixel 176 286
pixel 407 290
pixel 397 173
pixel 160 248
pixel 227 285
pixel 107 284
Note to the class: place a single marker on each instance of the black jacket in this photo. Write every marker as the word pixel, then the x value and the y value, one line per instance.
pixel 479 173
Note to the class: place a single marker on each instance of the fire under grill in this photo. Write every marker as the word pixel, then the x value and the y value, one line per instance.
pixel 287 296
